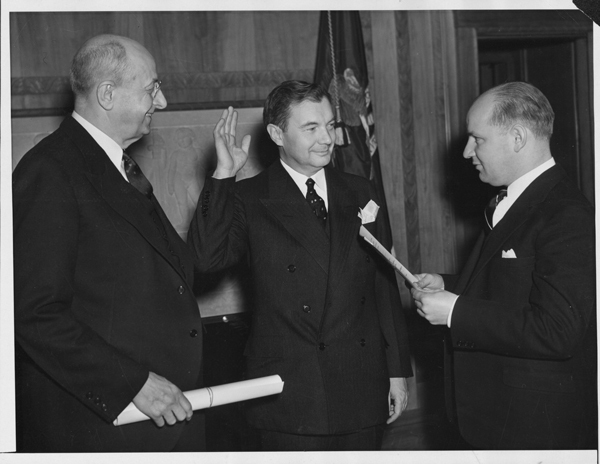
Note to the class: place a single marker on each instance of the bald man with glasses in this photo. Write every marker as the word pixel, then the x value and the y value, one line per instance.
pixel 105 314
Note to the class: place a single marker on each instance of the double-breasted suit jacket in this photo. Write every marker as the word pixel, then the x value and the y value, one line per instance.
pixel 518 325
pixel 326 317
pixel 103 296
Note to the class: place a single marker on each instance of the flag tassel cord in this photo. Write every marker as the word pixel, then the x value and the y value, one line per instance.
pixel 340 138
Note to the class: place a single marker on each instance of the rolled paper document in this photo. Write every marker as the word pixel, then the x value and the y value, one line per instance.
pixel 214 396
pixel 387 255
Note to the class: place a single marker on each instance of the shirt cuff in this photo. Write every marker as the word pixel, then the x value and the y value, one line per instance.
pixel 451 310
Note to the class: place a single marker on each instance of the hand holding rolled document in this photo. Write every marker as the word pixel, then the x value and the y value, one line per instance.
pixel 215 396
pixel 368 215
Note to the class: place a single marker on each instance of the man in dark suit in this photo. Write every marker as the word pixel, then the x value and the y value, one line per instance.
pixel 326 316
pixel 104 309
pixel 519 310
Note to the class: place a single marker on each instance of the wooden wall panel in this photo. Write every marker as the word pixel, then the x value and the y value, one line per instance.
pixel 416 158
pixel 206 59
pixel 288 39
pixel 392 135
pixel 430 140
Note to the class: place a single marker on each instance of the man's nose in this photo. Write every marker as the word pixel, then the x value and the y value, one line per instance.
pixel 468 151
pixel 160 101
pixel 327 136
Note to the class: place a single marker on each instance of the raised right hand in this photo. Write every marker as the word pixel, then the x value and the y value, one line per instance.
pixel 230 157
pixel 162 401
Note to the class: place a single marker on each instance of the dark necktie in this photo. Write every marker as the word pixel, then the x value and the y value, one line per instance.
pixel 135 176
pixel 316 202
pixel 491 207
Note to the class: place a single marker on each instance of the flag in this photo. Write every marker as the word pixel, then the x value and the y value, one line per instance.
pixel 341 52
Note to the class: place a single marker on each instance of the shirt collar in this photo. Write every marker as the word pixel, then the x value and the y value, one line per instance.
pixel 300 180
pixel 515 189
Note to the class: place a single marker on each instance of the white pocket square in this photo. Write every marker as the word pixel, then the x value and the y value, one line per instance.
pixel 509 254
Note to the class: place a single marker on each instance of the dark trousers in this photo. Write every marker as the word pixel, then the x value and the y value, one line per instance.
pixel 368 439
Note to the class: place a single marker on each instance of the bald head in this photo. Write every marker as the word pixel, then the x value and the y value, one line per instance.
pixel 104 57
pixel 116 87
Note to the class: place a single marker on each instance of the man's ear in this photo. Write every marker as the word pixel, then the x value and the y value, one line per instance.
pixel 105 93
pixel 518 135
pixel 276 134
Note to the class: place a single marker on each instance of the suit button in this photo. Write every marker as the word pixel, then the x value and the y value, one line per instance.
pixel 362 300
pixel 368 259
pixel 97 400
pixel 89 395
pixel 104 407
pixel 193 333
pixel 181 290
pixel 363 342
pixel 322 346
pixel 291 268
pixel 306 309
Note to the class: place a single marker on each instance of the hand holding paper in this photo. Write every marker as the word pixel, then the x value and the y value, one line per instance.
pixel 368 215
pixel 215 396
pixel 162 401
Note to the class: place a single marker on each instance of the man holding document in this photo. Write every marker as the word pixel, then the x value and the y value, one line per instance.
pixel 327 316
pixel 519 310
pixel 105 314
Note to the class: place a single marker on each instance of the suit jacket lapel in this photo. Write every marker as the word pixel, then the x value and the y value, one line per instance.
pixel 286 202
pixel 343 219
pixel 518 213
pixel 119 194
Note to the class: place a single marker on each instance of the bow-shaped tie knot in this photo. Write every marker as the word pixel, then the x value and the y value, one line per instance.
pixel 491 207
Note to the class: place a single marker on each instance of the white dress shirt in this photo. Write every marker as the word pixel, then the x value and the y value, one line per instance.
pixel 300 180
pixel 112 148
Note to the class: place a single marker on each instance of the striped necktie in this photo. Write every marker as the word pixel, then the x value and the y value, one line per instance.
pixel 135 176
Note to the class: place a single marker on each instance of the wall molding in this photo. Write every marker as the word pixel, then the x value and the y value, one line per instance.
pixel 48 90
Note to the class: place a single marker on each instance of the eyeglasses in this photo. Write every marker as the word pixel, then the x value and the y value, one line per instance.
pixel 156 87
